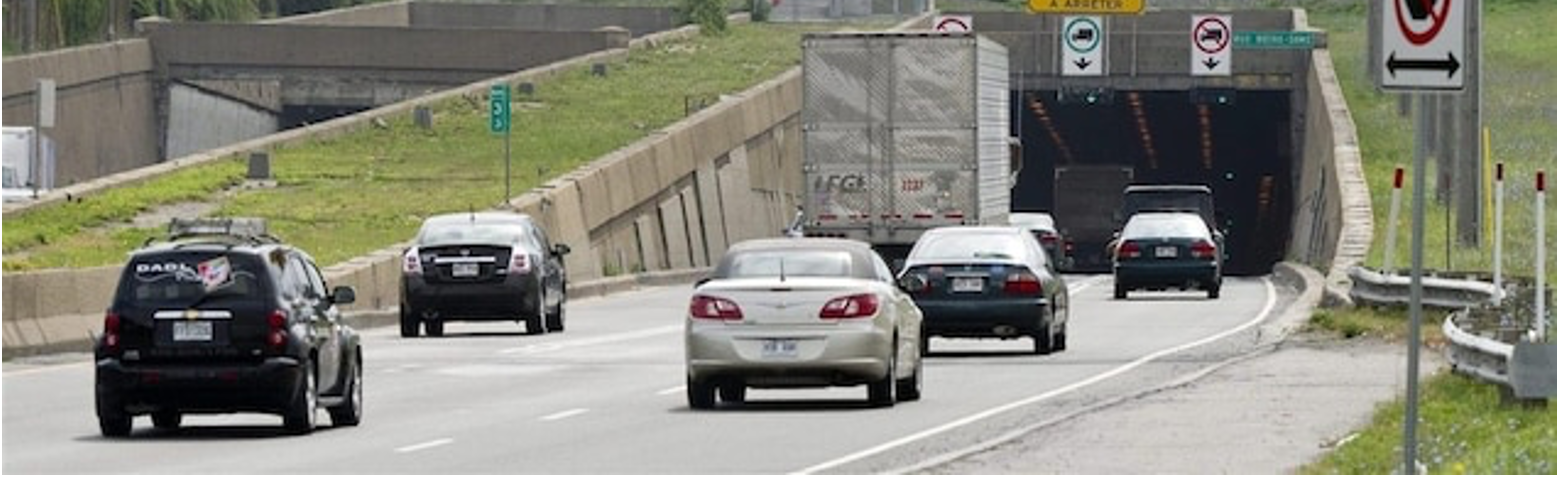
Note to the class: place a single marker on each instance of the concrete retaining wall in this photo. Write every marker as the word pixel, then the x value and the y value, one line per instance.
pixel 105 106
pixel 638 20
pixel 199 120
pixel 393 14
pixel 1333 223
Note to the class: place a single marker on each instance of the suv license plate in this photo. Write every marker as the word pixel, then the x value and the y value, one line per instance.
pixel 1166 252
pixel 968 285
pixel 779 348
pixel 191 331
pixel 466 269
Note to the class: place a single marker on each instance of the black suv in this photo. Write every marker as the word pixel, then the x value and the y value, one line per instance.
pixel 225 318
pixel 482 266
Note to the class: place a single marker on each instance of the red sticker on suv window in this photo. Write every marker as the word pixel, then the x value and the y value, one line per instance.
pixel 215 273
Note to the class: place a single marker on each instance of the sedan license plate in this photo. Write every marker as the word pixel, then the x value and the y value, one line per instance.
pixel 1166 252
pixel 779 348
pixel 466 269
pixel 191 331
pixel 968 285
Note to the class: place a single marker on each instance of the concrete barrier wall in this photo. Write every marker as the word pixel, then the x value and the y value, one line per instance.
pixel 1333 224
pixel 638 20
pixel 199 120
pixel 346 48
pixel 393 14
pixel 105 106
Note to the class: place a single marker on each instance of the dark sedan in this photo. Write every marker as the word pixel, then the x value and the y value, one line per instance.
pixel 1162 250
pixel 482 266
pixel 987 282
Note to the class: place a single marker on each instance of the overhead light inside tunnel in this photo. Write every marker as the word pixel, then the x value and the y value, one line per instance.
pixel 1213 96
pixel 1134 100
pixel 1039 111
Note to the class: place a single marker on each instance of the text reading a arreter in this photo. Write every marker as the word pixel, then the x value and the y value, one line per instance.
pixel 1087 5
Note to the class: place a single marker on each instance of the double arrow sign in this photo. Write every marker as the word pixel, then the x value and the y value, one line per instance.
pixel 1449 65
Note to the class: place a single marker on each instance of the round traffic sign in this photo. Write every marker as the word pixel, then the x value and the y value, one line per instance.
pixel 1083 35
pixel 952 25
pixel 1421 11
pixel 1211 35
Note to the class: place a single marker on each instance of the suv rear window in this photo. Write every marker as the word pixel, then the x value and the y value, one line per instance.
pixel 181 279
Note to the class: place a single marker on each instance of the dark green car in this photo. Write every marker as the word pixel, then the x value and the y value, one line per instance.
pixel 1163 250
pixel 986 282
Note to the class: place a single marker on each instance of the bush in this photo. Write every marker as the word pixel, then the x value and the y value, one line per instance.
pixel 761 9
pixel 709 15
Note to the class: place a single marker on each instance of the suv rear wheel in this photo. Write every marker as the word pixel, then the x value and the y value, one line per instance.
pixel 111 420
pixel 299 418
pixel 166 419
pixel 434 327
pixel 410 325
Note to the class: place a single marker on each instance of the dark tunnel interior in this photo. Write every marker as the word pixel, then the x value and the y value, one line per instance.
pixel 296 116
pixel 1238 143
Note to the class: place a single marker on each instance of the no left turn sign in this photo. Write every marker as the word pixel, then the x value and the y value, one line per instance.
pixel 1423 44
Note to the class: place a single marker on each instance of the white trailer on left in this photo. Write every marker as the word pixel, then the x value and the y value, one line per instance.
pixel 18 161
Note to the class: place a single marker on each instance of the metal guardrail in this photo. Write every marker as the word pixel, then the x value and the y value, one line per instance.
pixel 1485 358
pixel 1369 286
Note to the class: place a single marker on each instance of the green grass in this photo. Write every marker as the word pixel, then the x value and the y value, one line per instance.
pixel 1384 323
pixel 1518 100
pixel 1463 428
pixel 348 196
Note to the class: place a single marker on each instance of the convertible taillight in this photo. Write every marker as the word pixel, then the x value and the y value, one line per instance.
pixel 713 308
pixel 852 306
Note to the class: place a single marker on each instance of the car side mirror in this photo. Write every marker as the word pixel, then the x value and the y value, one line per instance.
pixel 701 281
pixel 343 295
pixel 562 249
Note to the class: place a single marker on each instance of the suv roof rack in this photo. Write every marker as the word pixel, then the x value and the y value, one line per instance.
pixel 248 229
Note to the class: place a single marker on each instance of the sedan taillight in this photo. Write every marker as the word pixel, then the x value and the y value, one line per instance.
pixel 411 263
pixel 1023 283
pixel 713 308
pixel 1130 250
pixel 1203 249
pixel 519 261
pixel 852 306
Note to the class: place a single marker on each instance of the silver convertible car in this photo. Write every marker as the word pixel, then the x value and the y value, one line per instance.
pixel 801 312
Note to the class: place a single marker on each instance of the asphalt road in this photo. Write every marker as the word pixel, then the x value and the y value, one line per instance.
pixel 606 396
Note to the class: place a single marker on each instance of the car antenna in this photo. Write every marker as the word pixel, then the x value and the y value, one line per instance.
pixel 781 269
pixel 472 209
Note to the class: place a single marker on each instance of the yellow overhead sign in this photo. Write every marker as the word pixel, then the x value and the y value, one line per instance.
pixel 1086 6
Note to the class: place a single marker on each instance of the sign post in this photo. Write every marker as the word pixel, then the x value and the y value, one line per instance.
pixel 499 122
pixel 1541 257
pixel 1083 55
pixel 1498 234
pixel 1210 37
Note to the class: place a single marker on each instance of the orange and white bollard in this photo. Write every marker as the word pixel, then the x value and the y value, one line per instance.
pixel 1390 227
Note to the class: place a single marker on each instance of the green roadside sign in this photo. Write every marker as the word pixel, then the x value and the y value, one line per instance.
pixel 1274 40
pixel 498 121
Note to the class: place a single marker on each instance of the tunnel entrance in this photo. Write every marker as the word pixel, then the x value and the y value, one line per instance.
pixel 1239 143
pixel 296 116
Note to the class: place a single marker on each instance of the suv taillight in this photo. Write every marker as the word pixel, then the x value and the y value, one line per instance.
pixel 713 308
pixel 1130 250
pixel 276 338
pixel 411 264
pixel 853 306
pixel 1203 249
pixel 1023 283
pixel 1047 238
pixel 111 331
pixel 519 261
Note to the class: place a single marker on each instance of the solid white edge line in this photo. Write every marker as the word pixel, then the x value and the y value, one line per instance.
pixel 1271 303
pixel 670 391
pixel 425 445
pixel 565 414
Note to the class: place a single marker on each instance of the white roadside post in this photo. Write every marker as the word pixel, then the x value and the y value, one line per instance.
pixel 1541 257
pixel 1498 234
pixel 1390 227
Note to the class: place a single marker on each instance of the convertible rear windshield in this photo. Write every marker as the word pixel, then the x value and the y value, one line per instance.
pixel 792 263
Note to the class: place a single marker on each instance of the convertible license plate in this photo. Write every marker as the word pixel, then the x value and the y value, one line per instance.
pixel 968 285
pixel 1166 252
pixel 779 348
pixel 466 269
pixel 191 331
